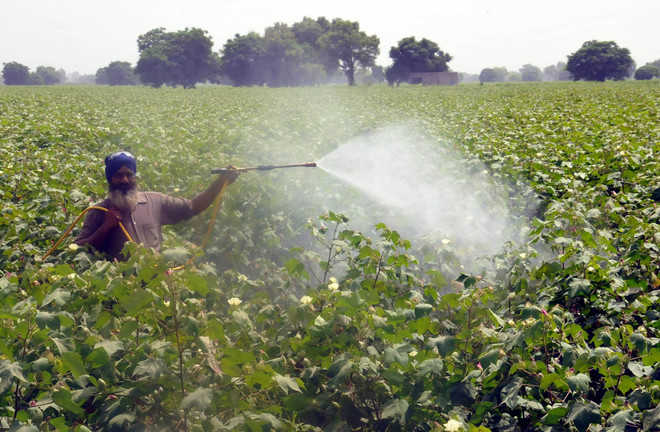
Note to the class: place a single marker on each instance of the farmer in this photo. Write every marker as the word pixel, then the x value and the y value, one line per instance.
pixel 142 213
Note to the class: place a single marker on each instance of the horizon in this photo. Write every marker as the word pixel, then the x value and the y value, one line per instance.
pixel 77 37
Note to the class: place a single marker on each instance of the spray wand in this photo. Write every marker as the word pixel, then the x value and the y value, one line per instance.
pixel 261 168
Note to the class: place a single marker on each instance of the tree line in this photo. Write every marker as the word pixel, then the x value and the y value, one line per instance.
pixel 313 52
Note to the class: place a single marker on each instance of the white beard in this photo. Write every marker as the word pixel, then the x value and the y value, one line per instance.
pixel 124 201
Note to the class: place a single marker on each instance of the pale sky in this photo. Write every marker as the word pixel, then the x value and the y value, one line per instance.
pixel 84 35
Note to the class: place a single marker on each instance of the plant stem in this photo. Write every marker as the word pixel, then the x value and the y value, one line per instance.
pixel 332 245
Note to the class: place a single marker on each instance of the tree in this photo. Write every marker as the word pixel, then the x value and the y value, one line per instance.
pixel 14 73
pixel 487 75
pixel 348 47
pixel 241 59
pixel 412 56
pixel 176 58
pixel 48 75
pixel 530 73
pixel 282 56
pixel 600 60
pixel 308 33
pixel 116 73
pixel 647 72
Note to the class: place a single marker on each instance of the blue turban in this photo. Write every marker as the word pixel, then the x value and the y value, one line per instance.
pixel 117 160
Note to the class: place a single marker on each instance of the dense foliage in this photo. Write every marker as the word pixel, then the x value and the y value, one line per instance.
pixel 182 58
pixel 306 53
pixel 353 330
pixel 600 60
pixel 415 56
pixel 117 73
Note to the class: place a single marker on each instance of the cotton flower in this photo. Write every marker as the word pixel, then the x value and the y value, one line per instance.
pixel 306 300
pixel 319 321
pixel 446 241
pixel 234 301
pixel 73 247
pixel 523 255
pixel 333 286
pixel 412 353
pixel 453 425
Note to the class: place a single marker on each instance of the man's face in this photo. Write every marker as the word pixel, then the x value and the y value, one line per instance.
pixel 123 180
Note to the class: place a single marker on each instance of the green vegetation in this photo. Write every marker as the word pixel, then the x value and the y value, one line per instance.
pixel 563 334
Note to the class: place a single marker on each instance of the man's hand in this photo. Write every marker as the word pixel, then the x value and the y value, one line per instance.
pixel 230 176
pixel 112 219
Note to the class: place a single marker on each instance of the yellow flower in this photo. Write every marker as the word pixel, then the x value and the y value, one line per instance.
pixel 234 301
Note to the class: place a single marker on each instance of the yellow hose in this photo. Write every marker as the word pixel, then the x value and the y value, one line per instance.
pixel 68 231
pixel 216 207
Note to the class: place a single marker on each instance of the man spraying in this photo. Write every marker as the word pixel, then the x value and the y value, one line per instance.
pixel 142 213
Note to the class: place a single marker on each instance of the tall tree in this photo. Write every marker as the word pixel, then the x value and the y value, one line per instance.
pixel 48 75
pixel 242 58
pixel 413 56
pixel 282 56
pixel 15 73
pixel 348 47
pixel 530 73
pixel 308 33
pixel 116 73
pixel 600 60
pixel 178 58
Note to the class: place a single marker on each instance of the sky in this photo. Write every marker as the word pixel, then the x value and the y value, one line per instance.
pixel 84 35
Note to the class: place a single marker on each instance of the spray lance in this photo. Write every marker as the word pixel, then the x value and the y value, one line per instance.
pixel 261 168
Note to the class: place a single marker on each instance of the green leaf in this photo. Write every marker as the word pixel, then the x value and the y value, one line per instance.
pixel 554 416
pixel 584 414
pixel 151 368
pixel 392 355
pixel 639 370
pixel 287 383
pixel 177 255
pixel 620 421
pixel 63 399
pixel 110 346
pixel 651 420
pixel 199 399
pixel 196 283
pixel 509 394
pixel 60 424
pixel 445 344
pixel 430 366
pixel 579 383
pixel 136 301
pixel 73 362
pixel 396 409
pixel 496 320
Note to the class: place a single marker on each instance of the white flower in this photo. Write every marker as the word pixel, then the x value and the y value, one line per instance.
pixel 523 255
pixel 446 241
pixel 71 276
pixel 234 301
pixel 73 247
pixel 412 353
pixel 319 321
pixel 242 278
pixel 306 300
pixel 332 279
pixel 334 286
pixel 453 425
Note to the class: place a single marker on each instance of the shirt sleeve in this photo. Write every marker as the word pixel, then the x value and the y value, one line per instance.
pixel 174 210
pixel 93 220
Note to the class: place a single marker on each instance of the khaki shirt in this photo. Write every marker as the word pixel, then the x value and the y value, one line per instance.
pixel 143 224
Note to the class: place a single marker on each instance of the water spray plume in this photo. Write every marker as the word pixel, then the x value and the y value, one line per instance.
pixel 263 168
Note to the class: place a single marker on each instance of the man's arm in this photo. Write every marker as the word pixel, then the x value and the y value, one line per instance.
pixel 204 199
pixel 96 237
